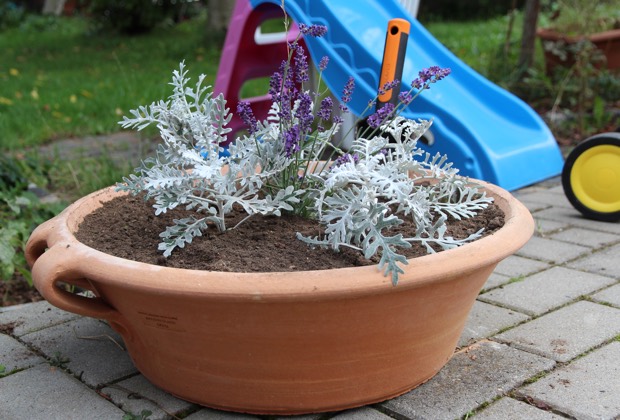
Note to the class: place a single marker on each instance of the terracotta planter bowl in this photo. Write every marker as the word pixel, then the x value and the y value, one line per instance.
pixel 276 343
pixel 607 42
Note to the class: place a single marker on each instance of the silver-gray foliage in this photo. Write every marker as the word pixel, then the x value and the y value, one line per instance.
pixel 358 198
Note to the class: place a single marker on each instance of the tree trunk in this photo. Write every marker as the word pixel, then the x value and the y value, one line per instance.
pixel 53 7
pixel 218 16
pixel 528 40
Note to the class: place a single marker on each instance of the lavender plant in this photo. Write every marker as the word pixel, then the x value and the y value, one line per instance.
pixel 358 196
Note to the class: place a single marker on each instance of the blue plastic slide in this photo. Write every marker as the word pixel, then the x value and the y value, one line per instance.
pixel 486 131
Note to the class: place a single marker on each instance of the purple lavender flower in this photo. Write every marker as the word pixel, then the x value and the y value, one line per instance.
pixel 325 111
pixel 405 97
pixel 301 64
pixel 287 93
pixel 348 90
pixel 429 75
pixel 417 83
pixel 387 86
pixel 313 30
pixel 323 63
pixel 291 140
pixel 441 73
pixel 376 119
pixel 245 112
pixel 275 83
pixel 304 112
pixel 346 158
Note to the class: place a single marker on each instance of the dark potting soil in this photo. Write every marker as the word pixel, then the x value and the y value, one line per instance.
pixel 128 228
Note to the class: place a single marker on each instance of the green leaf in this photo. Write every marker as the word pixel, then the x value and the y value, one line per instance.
pixel 7 254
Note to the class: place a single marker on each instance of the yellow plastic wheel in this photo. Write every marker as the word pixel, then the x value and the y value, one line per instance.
pixel 591 177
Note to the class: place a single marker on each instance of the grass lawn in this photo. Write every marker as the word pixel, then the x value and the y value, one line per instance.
pixel 60 82
pixel 479 43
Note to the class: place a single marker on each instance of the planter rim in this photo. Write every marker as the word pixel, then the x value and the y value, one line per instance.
pixel 97 265
pixel 552 34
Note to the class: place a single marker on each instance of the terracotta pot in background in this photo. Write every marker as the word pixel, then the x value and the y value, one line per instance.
pixel 607 42
pixel 276 343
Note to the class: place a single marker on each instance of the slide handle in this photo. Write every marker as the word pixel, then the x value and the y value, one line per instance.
pixel 393 59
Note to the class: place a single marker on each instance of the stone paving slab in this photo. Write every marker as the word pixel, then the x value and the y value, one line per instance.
pixel 137 394
pixel 566 333
pixel 24 319
pixel 605 262
pixel 364 413
pixel 534 206
pixel 588 388
pixel 551 251
pixel 544 227
pixel 495 280
pixel 87 347
pixel 312 416
pixel 124 146
pixel 610 295
pixel 516 266
pixel 45 392
pixel 546 290
pixel 209 414
pixel 556 186
pixel 551 197
pixel 586 237
pixel 511 409
pixel 15 356
pixel 574 218
pixel 485 320
pixel 471 378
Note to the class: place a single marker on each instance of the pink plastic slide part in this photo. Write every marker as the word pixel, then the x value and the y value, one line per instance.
pixel 247 55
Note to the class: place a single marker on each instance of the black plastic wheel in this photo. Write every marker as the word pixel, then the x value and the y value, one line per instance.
pixel 591 177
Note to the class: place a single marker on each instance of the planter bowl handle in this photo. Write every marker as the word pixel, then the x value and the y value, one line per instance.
pixel 59 264
pixel 37 243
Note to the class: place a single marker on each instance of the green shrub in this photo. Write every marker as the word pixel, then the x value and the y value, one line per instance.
pixel 464 10
pixel 11 14
pixel 578 17
pixel 137 16
pixel 20 211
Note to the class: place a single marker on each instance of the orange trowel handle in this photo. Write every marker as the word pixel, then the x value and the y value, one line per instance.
pixel 393 59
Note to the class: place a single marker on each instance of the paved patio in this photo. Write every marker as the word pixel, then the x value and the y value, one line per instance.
pixel 542 342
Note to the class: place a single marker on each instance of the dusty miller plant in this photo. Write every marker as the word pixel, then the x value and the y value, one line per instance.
pixel 289 164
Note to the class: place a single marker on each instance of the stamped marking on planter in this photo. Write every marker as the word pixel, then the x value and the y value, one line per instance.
pixel 163 322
